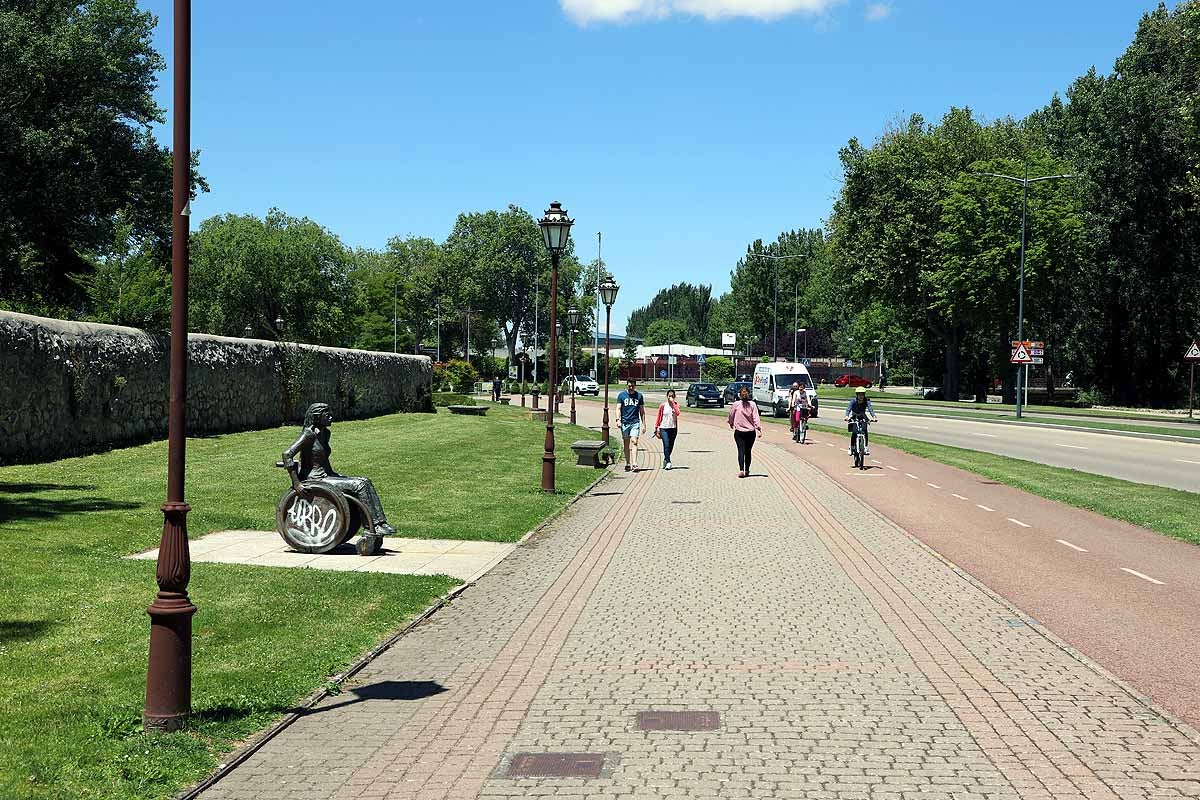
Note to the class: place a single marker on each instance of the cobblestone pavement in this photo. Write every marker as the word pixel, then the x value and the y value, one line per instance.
pixel 845 660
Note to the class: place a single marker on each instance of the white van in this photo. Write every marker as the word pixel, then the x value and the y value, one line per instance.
pixel 773 381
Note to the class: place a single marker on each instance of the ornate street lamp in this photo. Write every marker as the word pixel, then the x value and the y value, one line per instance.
pixel 608 293
pixel 279 327
pixel 556 231
pixel 573 323
pixel 169 672
pixel 246 332
pixel 524 359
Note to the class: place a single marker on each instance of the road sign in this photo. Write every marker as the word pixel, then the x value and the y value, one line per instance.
pixel 806 362
pixel 672 360
pixel 728 340
pixel 701 359
pixel 662 373
pixel 1193 353
pixel 1020 354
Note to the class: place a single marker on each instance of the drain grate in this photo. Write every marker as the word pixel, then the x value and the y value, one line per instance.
pixel 556 765
pixel 685 502
pixel 678 720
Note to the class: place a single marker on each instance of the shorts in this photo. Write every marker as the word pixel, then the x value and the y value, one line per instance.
pixel 632 431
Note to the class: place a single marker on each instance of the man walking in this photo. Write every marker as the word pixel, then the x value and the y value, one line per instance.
pixel 633 419
pixel 497 385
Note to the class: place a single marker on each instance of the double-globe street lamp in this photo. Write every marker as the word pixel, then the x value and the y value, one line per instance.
pixel 556 232
pixel 1021 291
pixel 608 293
pixel 572 322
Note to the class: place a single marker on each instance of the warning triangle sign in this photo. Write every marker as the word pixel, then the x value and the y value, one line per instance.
pixel 1021 355
pixel 1193 353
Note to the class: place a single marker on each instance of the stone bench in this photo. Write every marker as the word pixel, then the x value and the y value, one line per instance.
pixel 589 455
pixel 477 411
pixel 539 415
pixel 505 401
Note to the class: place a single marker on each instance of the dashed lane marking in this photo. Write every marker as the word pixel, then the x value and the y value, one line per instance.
pixel 1074 446
pixel 893 469
pixel 1185 461
pixel 914 477
pixel 1072 546
pixel 920 427
pixel 1143 577
pixel 988 435
pixel 1018 522
pixel 959 496
pixel 985 508
pixel 934 485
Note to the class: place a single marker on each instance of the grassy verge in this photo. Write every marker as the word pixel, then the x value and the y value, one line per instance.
pixel 1171 512
pixel 1181 430
pixel 73 629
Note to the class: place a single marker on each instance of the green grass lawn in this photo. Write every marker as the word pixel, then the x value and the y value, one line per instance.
pixel 73 628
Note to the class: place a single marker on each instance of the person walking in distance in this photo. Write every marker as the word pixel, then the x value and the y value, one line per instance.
pixel 746 426
pixel 497 385
pixel 633 418
pixel 666 427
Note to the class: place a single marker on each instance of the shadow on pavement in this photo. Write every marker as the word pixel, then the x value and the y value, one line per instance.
pixel 385 690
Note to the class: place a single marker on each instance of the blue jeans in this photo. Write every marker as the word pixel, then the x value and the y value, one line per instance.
pixel 668 439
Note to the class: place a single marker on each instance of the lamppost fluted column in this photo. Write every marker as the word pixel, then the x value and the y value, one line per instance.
pixel 573 317
pixel 556 231
pixel 169 673
pixel 608 293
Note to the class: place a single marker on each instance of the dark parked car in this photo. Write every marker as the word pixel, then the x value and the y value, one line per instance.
pixel 704 394
pixel 850 380
pixel 731 391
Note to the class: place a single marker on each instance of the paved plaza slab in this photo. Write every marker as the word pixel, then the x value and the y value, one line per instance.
pixel 465 560
pixel 826 653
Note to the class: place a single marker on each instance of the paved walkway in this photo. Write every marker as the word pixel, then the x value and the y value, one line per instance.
pixel 834 656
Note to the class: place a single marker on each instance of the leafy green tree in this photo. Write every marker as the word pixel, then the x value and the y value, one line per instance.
pixel 667 331
pixel 251 271
pixel 76 150
pixel 718 369
pixel 128 285
pixel 691 305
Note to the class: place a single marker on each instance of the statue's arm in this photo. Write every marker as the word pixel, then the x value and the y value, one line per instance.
pixel 304 441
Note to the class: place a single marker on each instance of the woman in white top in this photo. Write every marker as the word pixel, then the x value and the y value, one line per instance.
pixel 666 427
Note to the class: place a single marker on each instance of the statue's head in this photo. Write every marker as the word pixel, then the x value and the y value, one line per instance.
pixel 318 416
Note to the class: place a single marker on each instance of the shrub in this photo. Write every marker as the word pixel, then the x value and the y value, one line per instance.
pixel 718 369
pixel 456 375
pixel 443 399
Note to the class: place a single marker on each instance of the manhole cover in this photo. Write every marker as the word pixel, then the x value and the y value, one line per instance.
pixel 678 720
pixel 556 765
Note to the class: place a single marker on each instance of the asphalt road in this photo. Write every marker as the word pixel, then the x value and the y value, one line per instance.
pixel 1131 458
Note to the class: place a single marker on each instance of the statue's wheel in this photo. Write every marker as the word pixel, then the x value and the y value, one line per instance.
pixel 356 520
pixel 313 520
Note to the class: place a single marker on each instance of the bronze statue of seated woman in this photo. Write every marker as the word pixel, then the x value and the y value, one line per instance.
pixel 310 517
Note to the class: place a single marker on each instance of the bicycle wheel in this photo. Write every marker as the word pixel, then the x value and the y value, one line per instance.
pixel 803 432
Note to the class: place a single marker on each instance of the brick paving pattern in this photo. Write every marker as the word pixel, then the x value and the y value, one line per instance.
pixel 845 660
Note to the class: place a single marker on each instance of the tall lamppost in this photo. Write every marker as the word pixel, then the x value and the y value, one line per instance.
pixel 608 293
pixel 879 363
pixel 805 332
pixel 169 672
pixel 556 232
pixel 524 358
pixel 775 312
pixel 1021 291
pixel 573 323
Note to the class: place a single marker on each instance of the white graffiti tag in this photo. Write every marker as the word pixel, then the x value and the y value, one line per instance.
pixel 307 518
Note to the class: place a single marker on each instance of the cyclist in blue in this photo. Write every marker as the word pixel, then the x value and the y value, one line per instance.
pixel 633 419
pixel 859 408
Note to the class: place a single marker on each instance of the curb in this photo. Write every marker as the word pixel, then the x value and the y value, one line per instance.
pixel 1165 437
pixel 240 755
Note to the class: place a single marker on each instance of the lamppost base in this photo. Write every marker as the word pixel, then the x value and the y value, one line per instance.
pixel 572 409
pixel 169 675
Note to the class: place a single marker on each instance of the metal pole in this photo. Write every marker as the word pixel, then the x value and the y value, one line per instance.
pixel 548 455
pixel 795 324
pixel 169 675
pixel 1021 290
pixel 806 342
pixel 596 337
pixel 571 345
pixel 394 319
pixel 439 330
pixel 537 287
pixel 607 359
pixel 1192 391
pixel 775 318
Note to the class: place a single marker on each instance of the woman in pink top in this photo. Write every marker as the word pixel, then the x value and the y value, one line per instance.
pixel 746 426
pixel 666 427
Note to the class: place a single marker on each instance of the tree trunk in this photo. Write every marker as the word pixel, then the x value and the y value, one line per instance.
pixel 950 384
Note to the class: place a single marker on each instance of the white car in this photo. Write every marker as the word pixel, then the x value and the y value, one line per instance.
pixel 582 383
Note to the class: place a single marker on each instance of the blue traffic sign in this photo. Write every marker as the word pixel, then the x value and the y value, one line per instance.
pixel 700 359
pixel 662 373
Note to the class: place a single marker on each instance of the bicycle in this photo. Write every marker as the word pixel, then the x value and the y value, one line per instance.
pixel 799 424
pixel 858 441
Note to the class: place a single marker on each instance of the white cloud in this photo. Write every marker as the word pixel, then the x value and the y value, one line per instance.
pixel 878 11
pixel 585 11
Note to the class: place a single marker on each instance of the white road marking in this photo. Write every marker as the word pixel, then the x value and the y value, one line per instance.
pixel 1185 461
pixel 876 461
pixel 934 485
pixel 985 508
pixel 1018 522
pixel 1140 575
pixel 1073 446
pixel 1072 546
pixel 989 435
pixel 959 496
pixel 920 427
pixel 914 477
pixel 893 469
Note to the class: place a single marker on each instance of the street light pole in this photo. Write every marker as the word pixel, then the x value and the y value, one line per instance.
pixel 556 230
pixel 596 336
pixel 795 322
pixel 1021 280
pixel 169 673
pixel 573 316
pixel 608 291
pixel 395 319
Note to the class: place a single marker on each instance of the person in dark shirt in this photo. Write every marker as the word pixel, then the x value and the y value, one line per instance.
pixel 633 419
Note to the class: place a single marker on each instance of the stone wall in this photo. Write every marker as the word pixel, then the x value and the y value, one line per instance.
pixel 73 387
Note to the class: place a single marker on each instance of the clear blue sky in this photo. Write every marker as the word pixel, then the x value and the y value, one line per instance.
pixel 682 134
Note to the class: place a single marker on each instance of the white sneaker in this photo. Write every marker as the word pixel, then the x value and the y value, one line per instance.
pixel 849 451
pixel 868 451
pixel 667 466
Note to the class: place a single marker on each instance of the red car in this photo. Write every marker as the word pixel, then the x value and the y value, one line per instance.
pixel 850 380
